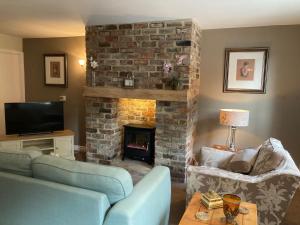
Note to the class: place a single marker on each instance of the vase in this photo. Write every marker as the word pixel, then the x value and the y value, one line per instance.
pixel 231 205
pixel 93 82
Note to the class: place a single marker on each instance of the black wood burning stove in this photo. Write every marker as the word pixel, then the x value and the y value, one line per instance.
pixel 139 142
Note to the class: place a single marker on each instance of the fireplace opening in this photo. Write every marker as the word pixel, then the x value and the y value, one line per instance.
pixel 139 142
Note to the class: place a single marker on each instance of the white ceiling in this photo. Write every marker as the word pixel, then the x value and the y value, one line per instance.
pixel 62 18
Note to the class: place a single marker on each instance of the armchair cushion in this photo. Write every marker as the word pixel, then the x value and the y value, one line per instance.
pixel 243 161
pixel 269 157
pixel 214 157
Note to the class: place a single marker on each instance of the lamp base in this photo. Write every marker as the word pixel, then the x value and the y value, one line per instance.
pixel 232 139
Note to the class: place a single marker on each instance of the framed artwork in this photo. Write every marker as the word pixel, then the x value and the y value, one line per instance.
pixel 245 70
pixel 56 70
pixel 128 82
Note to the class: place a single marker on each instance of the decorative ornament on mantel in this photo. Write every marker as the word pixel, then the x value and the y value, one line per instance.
pixel 181 60
pixel 128 81
pixel 94 64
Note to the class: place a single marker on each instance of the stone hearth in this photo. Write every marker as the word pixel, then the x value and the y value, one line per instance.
pixel 140 50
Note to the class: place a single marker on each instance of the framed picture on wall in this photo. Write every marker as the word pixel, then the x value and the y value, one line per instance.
pixel 56 70
pixel 245 70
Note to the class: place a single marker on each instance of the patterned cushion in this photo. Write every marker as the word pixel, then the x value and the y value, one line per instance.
pixel 243 161
pixel 214 157
pixel 269 157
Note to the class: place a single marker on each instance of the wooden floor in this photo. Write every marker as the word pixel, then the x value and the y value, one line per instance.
pixel 178 203
pixel 178 206
pixel 293 213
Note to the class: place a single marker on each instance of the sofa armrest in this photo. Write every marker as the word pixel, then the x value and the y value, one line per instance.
pixel 203 178
pixel 148 204
pixel 225 174
pixel 216 172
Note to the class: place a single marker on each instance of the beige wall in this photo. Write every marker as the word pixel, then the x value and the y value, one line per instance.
pixel 34 78
pixel 12 43
pixel 12 87
pixel 273 114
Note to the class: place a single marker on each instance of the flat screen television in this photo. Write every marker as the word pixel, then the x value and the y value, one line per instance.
pixel 33 117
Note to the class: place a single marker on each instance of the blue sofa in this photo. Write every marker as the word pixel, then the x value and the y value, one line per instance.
pixel 47 190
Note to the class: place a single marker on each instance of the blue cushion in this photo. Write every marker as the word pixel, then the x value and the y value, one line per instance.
pixel 115 182
pixel 17 162
pixel 29 201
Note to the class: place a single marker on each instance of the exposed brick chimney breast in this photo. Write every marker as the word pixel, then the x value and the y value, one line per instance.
pixel 140 50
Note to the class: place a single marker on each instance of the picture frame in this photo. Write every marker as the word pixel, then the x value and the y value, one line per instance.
pixel 55 67
pixel 245 70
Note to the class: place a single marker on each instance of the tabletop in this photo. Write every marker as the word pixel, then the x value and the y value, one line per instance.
pixel 216 216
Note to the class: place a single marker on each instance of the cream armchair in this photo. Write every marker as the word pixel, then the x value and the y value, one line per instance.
pixel 272 191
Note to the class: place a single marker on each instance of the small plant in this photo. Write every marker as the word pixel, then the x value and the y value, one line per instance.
pixel 93 63
pixel 167 68
pixel 174 82
pixel 173 78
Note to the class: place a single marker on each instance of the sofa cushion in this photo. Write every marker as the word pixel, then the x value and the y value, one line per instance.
pixel 30 201
pixel 243 161
pixel 214 157
pixel 17 161
pixel 270 156
pixel 115 182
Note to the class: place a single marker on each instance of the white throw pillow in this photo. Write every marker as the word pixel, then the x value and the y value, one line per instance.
pixel 214 157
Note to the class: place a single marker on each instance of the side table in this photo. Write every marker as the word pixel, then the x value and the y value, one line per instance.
pixel 216 215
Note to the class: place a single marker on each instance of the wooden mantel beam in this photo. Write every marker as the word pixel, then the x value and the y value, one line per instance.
pixel 155 94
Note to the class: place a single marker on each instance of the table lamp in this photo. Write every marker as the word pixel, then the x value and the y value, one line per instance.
pixel 234 118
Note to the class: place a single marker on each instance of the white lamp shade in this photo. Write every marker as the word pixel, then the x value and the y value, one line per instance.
pixel 234 117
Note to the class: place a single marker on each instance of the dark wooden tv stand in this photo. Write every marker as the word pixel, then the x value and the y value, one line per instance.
pixel 60 143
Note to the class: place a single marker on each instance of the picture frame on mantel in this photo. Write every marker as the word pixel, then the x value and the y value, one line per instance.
pixel 245 70
pixel 55 66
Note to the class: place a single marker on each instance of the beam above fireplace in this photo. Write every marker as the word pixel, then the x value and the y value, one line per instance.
pixel 154 94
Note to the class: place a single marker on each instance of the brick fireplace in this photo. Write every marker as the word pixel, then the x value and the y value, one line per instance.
pixel 140 50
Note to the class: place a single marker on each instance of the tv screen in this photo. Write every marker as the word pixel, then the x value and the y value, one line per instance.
pixel 34 117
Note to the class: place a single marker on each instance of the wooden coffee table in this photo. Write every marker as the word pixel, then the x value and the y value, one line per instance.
pixel 216 216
